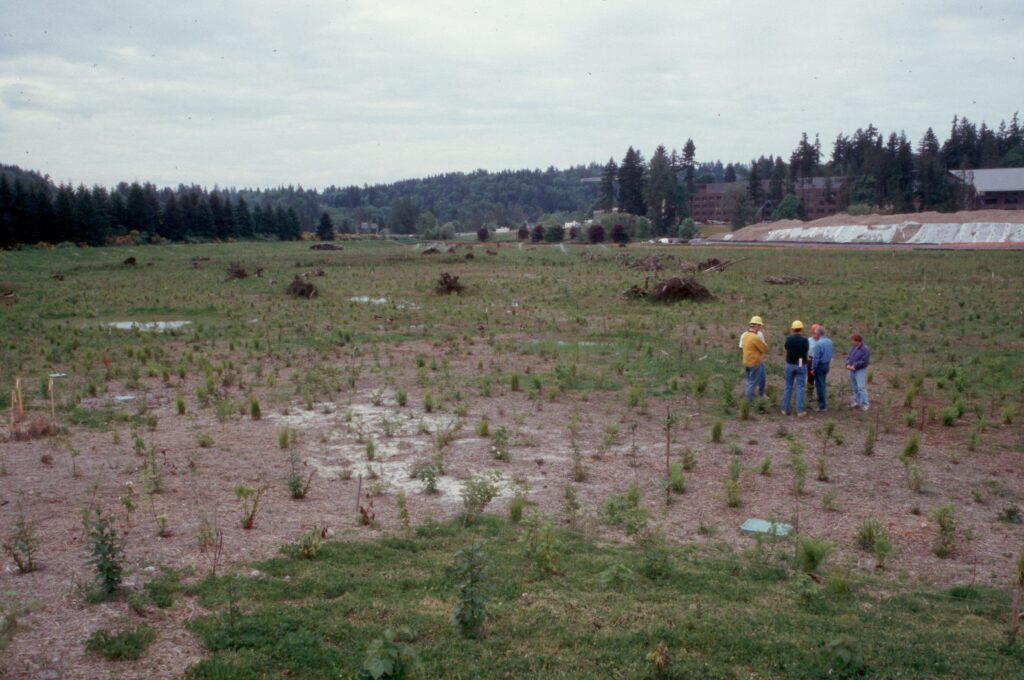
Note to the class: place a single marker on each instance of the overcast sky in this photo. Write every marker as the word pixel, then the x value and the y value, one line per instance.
pixel 326 92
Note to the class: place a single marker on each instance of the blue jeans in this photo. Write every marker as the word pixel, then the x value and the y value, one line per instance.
pixel 819 387
pixel 755 384
pixel 859 381
pixel 795 374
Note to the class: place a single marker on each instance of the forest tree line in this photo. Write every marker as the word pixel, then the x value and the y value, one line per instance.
pixel 881 172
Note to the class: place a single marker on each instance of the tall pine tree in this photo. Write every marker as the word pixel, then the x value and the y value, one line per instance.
pixel 631 183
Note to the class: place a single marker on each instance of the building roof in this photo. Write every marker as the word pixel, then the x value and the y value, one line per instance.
pixel 992 179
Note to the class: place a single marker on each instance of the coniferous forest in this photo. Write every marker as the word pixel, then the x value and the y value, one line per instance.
pixel 883 172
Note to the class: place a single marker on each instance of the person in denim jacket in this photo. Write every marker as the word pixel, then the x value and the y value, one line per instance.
pixel 857 362
pixel 821 359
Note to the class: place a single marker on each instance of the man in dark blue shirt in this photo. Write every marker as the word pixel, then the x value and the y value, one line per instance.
pixel 797 348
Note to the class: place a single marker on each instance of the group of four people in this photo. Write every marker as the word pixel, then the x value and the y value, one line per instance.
pixel 807 362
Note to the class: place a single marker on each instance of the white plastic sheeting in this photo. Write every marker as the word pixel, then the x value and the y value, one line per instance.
pixel 905 232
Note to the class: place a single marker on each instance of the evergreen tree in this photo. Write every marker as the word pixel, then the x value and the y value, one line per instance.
pixel 631 183
pixel 754 190
pixel 730 174
pixel 293 224
pixel 689 156
pixel 7 235
pixel 172 221
pixel 265 223
pixel 606 198
pixel 65 226
pixel 243 219
pixel 777 180
pixel 662 193
pixel 141 210
pixel 325 228
pixel 223 216
pixel 932 188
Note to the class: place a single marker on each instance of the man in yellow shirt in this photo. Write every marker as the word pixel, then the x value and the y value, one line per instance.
pixel 754 348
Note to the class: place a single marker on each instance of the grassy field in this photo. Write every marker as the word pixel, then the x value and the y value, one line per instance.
pixel 379 376
pixel 602 613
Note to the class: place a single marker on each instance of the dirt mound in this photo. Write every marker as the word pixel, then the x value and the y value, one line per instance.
pixel 448 284
pixel 237 271
pixel 130 262
pixel 326 246
pixel 670 290
pixel 676 288
pixel 303 289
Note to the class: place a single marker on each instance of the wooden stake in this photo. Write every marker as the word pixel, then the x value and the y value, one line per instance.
pixel 53 406
pixel 17 398
pixel 359 493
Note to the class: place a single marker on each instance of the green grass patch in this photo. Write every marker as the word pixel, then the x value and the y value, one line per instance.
pixel 716 613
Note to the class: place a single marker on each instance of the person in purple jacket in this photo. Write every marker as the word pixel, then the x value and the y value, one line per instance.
pixel 857 362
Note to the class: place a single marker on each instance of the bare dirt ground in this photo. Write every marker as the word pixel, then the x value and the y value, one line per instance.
pixel 199 481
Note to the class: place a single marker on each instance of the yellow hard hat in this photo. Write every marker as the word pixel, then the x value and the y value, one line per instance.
pixel 757 320
pixel 797 325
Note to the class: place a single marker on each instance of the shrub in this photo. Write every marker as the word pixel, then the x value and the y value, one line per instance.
pixel 625 511
pixel 388 658
pixel 500 444
pixel 537 233
pixel 765 467
pixel 595 233
pixel 254 409
pixel 799 466
pixel 883 547
pixel 716 432
pixel 541 546
pixel 483 234
pixel 126 644
pixel 250 497
pixel 676 480
pixel 22 545
pixel 615 577
pixel 913 445
pixel 308 545
pixel 554 233
pixel 869 440
pixel 468 570
pixel 107 553
pixel 811 553
pixel 732 493
pixel 949 416
pixel 477 493
pixel 516 505
pixel 428 474
pixel 945 517
pixel 401 398
pixel 298 484
pixel 619 234
pixel 869 532
pixel 688 459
